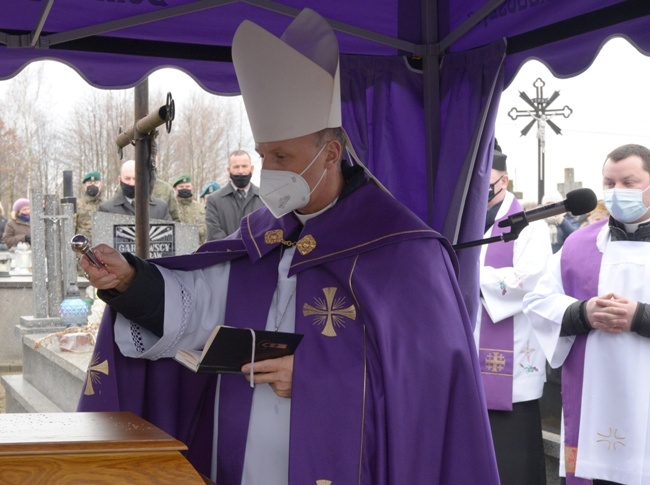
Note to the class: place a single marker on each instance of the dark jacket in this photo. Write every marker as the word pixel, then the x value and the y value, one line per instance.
pixel 223 211
pixel 120 205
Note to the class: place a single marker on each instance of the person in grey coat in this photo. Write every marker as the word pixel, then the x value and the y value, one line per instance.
pixel 122 202
pixel 226 207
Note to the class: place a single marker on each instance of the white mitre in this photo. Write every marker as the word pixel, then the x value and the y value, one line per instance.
pixel 290 85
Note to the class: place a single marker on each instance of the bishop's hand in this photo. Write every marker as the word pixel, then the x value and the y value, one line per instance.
pixel 278 373
pixel 117 273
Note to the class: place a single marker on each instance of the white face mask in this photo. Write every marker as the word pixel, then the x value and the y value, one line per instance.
pixel 625 205
pixel 283 191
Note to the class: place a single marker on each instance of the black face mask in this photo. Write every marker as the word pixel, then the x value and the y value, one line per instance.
pixel 128 190
pixel 241 181
pixel 491 194
pixel 184 193
pixel 92 190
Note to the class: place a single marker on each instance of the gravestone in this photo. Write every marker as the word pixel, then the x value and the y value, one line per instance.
pixel 569 183
pixel 167 238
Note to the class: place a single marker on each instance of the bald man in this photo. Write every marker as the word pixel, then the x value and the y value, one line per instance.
pixel 124 200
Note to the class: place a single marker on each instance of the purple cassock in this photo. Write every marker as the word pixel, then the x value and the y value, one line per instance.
pixel 386 387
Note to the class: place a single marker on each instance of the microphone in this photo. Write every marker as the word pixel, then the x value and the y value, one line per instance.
pixel 578 202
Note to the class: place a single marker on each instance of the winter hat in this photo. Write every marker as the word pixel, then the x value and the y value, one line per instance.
pixel 19 204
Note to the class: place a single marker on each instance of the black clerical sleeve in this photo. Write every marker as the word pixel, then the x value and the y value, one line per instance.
pixel 144 301
pixel 575 320
pixel 641 320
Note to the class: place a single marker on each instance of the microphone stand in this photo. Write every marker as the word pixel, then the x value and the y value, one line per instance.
pixel 517 223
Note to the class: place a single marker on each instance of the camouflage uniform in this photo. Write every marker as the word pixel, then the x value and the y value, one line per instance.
pixel 86 207
pixel 193 212
pixel 162 190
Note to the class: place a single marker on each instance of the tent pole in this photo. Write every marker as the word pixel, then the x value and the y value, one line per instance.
pixel 431 95
pixel 141 109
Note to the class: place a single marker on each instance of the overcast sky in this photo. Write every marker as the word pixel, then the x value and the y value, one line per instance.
pixel 610 104
pixel 609 101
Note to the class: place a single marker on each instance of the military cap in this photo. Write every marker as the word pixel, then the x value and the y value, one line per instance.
pixel 209 188
pixel 182 179
pixel 92 176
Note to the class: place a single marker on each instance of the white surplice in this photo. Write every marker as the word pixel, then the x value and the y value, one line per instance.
pixel 614 437
pixel 503 290
pixel 195 302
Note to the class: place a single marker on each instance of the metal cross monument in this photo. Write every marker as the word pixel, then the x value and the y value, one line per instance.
pixel 540 114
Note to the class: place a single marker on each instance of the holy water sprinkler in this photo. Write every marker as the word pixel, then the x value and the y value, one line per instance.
pixel 80 244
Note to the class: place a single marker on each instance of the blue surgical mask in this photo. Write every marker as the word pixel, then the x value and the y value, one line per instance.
pixel 625 205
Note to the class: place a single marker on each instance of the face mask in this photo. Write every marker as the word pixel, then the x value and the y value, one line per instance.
pixel 241 181
pixel 92 190
pixel 283 191
pixel 128 190
pixel 184 193
pixel 23 218
pixel 625 205
pixel 491 194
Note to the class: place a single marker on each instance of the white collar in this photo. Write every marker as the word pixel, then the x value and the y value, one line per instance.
pixel 631 228
pixel 305 217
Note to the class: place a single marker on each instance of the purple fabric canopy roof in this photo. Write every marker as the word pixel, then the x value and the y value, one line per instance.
pixel 425 128
pixel 97 36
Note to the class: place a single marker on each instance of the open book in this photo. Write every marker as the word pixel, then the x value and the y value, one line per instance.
pixel 229 348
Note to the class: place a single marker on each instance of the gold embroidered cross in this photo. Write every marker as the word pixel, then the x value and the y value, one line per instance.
pixel 331 312
pixel 305 245
pixel 612 439
pixel 92 374
pixel 495 361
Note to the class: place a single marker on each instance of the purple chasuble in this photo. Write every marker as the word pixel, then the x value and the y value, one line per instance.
pixel 580 265
pixel 496 354
pixel 386 387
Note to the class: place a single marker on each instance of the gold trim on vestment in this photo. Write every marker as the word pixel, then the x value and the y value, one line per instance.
pixel 570 459
pixel 330 312
pixel 250 233
pixel 92 374
pixel 365 371
pixel 429 231
pixel 304 245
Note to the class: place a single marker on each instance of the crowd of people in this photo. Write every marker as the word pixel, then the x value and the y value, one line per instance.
pixel 393 381
pixel 216 214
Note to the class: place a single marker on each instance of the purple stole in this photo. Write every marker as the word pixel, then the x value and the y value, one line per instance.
pixel 580 263
pixel 496 341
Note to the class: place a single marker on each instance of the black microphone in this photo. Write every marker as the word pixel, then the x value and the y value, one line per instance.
pixel 577 202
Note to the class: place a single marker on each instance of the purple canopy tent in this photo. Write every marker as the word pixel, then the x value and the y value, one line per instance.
pixel 421 79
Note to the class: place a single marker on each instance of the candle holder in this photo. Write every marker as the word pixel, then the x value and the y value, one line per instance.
pixel 5 261
pixel 73 309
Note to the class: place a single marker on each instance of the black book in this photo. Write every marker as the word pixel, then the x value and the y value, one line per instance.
pixel 229 348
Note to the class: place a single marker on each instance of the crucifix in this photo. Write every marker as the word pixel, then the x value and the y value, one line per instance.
pixel 540 114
